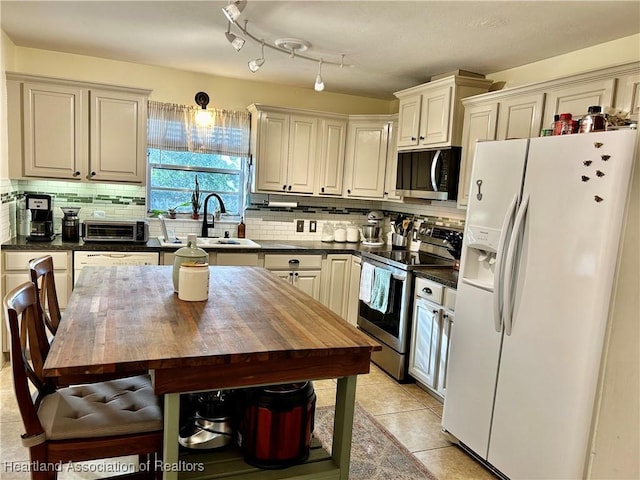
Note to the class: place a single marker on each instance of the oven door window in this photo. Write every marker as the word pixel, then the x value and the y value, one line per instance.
pixel 389 321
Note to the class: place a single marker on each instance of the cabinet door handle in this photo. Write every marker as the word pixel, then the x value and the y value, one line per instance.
pixel 349 192
pixel 284 187
pixel 413 139
pixel 289 188
pixel 297 274
pixel 76 173
pixel 322 189
pixel 435 312
pixel 421 137
pixel 427 290
pixel 93 174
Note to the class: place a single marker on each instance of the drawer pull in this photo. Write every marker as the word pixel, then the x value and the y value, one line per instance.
pixel 294 261
pixel 427 290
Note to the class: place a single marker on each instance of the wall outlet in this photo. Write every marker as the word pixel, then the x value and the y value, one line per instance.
pixel 312 226
pixel 299 225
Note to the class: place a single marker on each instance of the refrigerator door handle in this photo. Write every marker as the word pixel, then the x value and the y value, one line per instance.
pixel 508 268
pixel 434 170
pixel 498 279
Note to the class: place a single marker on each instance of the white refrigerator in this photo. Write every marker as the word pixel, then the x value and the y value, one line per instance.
pixel 540 250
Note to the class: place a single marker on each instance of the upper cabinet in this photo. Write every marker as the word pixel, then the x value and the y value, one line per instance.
pixel 284 145
pixel 76 131
pixel 332 141
pixel 522 112
pixel 430 115
pixel 367 156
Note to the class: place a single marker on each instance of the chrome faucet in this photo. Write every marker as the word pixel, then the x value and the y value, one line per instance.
pixel 206 225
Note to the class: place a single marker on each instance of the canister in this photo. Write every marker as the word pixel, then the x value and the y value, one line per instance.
pixel 194 282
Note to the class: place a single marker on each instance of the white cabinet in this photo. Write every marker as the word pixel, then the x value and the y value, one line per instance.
pixel 576 98
pixel 479 124
pixel 284 145
pixel 354 290
pixel 336 278
pixel 302 271
pixel 522 112
pixel 392 165
pixel 332 141
pixel 236 259
pixel 75 131
pixel 15 271
pixel 520 116
pixel 430 115
pixel 366 156
pixel 430 337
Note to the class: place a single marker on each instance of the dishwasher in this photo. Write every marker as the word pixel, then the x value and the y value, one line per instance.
pixel 110 259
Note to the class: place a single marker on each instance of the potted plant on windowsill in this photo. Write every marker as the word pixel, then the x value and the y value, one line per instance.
pixel 174 210
pixel 196 202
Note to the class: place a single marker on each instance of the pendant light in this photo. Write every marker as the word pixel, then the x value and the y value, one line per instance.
pixel 254 65
pixel 319 86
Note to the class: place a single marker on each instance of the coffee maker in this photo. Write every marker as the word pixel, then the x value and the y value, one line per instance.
pixel 41 207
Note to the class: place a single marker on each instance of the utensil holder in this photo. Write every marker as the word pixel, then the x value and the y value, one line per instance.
pixel 399 241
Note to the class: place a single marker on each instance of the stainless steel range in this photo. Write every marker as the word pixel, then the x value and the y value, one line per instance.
pixel 439 248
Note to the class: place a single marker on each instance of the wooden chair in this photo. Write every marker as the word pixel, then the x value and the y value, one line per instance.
pixel 79 423
pixel 42 276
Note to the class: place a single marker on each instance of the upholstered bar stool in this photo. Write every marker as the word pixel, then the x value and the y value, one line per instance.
pixel 86 422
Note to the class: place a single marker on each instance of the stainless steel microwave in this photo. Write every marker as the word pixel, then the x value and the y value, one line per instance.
pixel 106 230
pixel 429 174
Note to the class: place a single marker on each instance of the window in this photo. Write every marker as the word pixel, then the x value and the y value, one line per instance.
pixel 180 150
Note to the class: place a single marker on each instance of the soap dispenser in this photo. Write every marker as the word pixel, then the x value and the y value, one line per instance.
pixel 190 253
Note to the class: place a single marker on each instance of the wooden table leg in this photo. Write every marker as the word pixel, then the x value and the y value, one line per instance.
pixel 170 439
pixel 343 424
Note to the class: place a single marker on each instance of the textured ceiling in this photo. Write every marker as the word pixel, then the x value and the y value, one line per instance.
pixel 391 44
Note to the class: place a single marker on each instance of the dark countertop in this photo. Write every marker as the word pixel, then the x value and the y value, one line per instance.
pixel 445 276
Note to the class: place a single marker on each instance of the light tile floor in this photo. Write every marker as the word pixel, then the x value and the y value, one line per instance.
pixel 406 410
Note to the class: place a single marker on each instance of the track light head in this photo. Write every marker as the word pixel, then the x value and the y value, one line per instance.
pixel 254 65
pixel 319 85
pixel 235 41
pixel 233 10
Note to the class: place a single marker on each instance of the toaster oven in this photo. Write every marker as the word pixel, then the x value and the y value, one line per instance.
pixel 104 230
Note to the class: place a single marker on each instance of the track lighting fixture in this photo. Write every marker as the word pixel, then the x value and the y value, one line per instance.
pixel 233 10
pixel 203 117
pixel 290 46
pixel 235 41
pixel 319 85
pixel 254 65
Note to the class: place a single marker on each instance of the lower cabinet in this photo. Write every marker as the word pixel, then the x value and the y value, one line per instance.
pixel 335 283
pixel 433 313
pixel 302 271
pixel 15 271
pixel 354 290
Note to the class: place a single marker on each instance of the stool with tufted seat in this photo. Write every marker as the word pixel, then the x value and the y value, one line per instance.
pixel 100 420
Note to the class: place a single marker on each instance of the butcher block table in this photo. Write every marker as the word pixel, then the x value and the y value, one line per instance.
pixel 254 329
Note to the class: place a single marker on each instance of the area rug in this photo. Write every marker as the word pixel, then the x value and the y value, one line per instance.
pixel 375 453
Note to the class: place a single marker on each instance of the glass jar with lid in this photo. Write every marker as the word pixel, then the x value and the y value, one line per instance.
pixel 327 232
pixel 340 233
pixel 190 253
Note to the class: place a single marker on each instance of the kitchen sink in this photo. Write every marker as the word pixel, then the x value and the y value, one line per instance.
pixel 211 242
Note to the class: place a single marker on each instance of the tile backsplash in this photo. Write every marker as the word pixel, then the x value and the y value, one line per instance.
pixel 263 222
